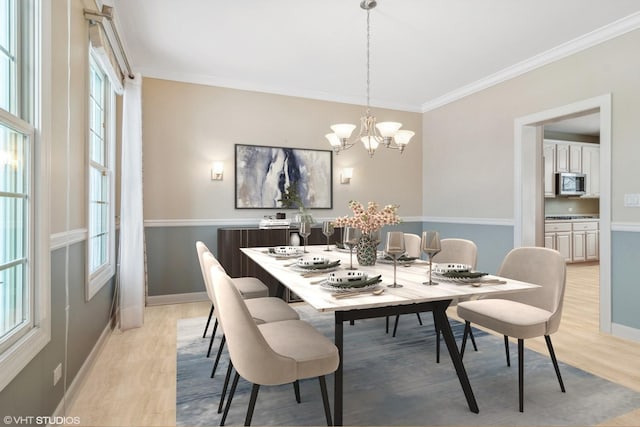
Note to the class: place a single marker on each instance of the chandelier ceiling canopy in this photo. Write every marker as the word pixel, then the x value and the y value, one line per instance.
pixel 371 134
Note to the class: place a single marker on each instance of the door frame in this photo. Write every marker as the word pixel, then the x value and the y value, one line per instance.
pixel 529 184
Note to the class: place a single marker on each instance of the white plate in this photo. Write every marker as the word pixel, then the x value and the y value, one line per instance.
pixel 285 252
pixel 315 270
pixel 328 286
pixel 347 276
pixel 390 261
pixel 441 268
pixel 312 261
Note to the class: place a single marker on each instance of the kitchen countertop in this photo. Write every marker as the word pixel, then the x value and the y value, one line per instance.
pixel 573 218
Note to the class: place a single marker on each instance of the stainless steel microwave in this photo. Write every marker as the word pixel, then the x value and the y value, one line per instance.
pixel 570 184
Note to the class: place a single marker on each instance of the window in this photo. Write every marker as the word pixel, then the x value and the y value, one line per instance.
pixel 24 235
pixel 101 266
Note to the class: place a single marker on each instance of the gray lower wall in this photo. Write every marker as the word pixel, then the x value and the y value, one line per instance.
pixel 172 261
pixel 493 241
pixel 173 265
pixel 32 393
pixel 625 289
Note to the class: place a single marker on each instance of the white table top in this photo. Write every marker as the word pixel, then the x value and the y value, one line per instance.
pixel 412 291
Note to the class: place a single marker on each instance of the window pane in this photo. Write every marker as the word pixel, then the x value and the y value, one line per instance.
pixel 14 231
pixel 98 219
pixel 13 294
pixel 7 56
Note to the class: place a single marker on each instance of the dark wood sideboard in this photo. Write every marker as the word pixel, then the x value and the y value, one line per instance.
pixel 231 239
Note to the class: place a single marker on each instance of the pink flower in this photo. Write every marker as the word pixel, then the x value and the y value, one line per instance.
pixel 369 219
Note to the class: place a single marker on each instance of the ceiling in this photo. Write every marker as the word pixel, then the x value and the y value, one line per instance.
pixel 423 52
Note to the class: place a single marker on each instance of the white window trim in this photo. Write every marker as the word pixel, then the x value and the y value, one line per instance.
pixel 15 358
pixel 101 277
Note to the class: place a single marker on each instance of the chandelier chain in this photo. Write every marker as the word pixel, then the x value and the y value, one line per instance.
pixel 368 60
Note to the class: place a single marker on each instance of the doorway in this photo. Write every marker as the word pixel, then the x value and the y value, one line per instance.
pixel 529 185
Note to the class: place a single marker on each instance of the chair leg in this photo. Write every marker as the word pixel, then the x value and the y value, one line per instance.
pixel 521 373
pixel 467 329
pixel 473 340
pixel 506 349
pixel 547 338
pixel 437 339
pixel 395 327
pixel 224 387
pixel 325 400
pixel 387 326
pixel 419 318
pixel 296 390
pixel 252 404
pixel 231 393
pixel 213 335
pixel 204 334
pixel 215 364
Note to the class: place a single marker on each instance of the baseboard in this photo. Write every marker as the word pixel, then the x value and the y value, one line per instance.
pixel 177 298
pixel 626 332
pixel 78 380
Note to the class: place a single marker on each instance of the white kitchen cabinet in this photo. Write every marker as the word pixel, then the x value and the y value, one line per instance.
pixel 592 245
pixel 575 158
pixel 558 236
pixel 562 157
pixel 591 168
pixel 578 246
pixel 549 154
pixel 577 241
pixel 586 235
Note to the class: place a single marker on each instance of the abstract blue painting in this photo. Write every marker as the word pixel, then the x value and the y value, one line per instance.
pixel 280 177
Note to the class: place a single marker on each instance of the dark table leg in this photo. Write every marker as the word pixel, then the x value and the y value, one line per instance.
pixel 442 323
pixel 337 386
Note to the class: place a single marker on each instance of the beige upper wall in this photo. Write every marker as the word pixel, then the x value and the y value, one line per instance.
pixel 188 126
pixel 468 151
pixel 73 96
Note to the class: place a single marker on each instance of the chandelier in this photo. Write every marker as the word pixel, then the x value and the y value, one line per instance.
pixel 371 134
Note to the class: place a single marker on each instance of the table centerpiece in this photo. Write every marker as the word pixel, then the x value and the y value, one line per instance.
pixel 369 221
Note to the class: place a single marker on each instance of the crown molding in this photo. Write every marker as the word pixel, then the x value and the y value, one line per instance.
pixel 593 38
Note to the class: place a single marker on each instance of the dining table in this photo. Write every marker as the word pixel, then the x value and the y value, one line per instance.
pixel 412 297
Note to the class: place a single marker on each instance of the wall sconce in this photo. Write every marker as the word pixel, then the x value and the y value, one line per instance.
pixel 346 175
pixel 217 169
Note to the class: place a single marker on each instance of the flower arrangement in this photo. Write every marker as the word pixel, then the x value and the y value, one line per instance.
pixel 370 219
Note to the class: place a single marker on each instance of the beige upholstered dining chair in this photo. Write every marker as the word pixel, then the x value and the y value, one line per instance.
pixel 270 353
pixel 412 245
pixel 454 251
pixel 249 287
pixel 526 314
pixel 263 309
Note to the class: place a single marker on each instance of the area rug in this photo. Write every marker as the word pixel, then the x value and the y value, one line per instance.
pixel 396 381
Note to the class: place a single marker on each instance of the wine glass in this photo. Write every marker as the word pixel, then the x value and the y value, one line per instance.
pixel 395 248
pixel 430 245
pixel 351 237
pixel 327 230
pixel 305 231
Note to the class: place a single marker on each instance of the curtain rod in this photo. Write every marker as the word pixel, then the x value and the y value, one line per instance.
pixel 99 17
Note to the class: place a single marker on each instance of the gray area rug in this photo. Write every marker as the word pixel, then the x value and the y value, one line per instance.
pixel 395 381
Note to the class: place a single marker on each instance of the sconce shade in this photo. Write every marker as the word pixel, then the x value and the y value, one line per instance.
pixel 217 171
pixel 346 175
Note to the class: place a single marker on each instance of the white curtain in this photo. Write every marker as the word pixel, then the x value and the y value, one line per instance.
pixel 132 255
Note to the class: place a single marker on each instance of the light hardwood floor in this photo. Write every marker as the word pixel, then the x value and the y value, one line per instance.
pixel 133 381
